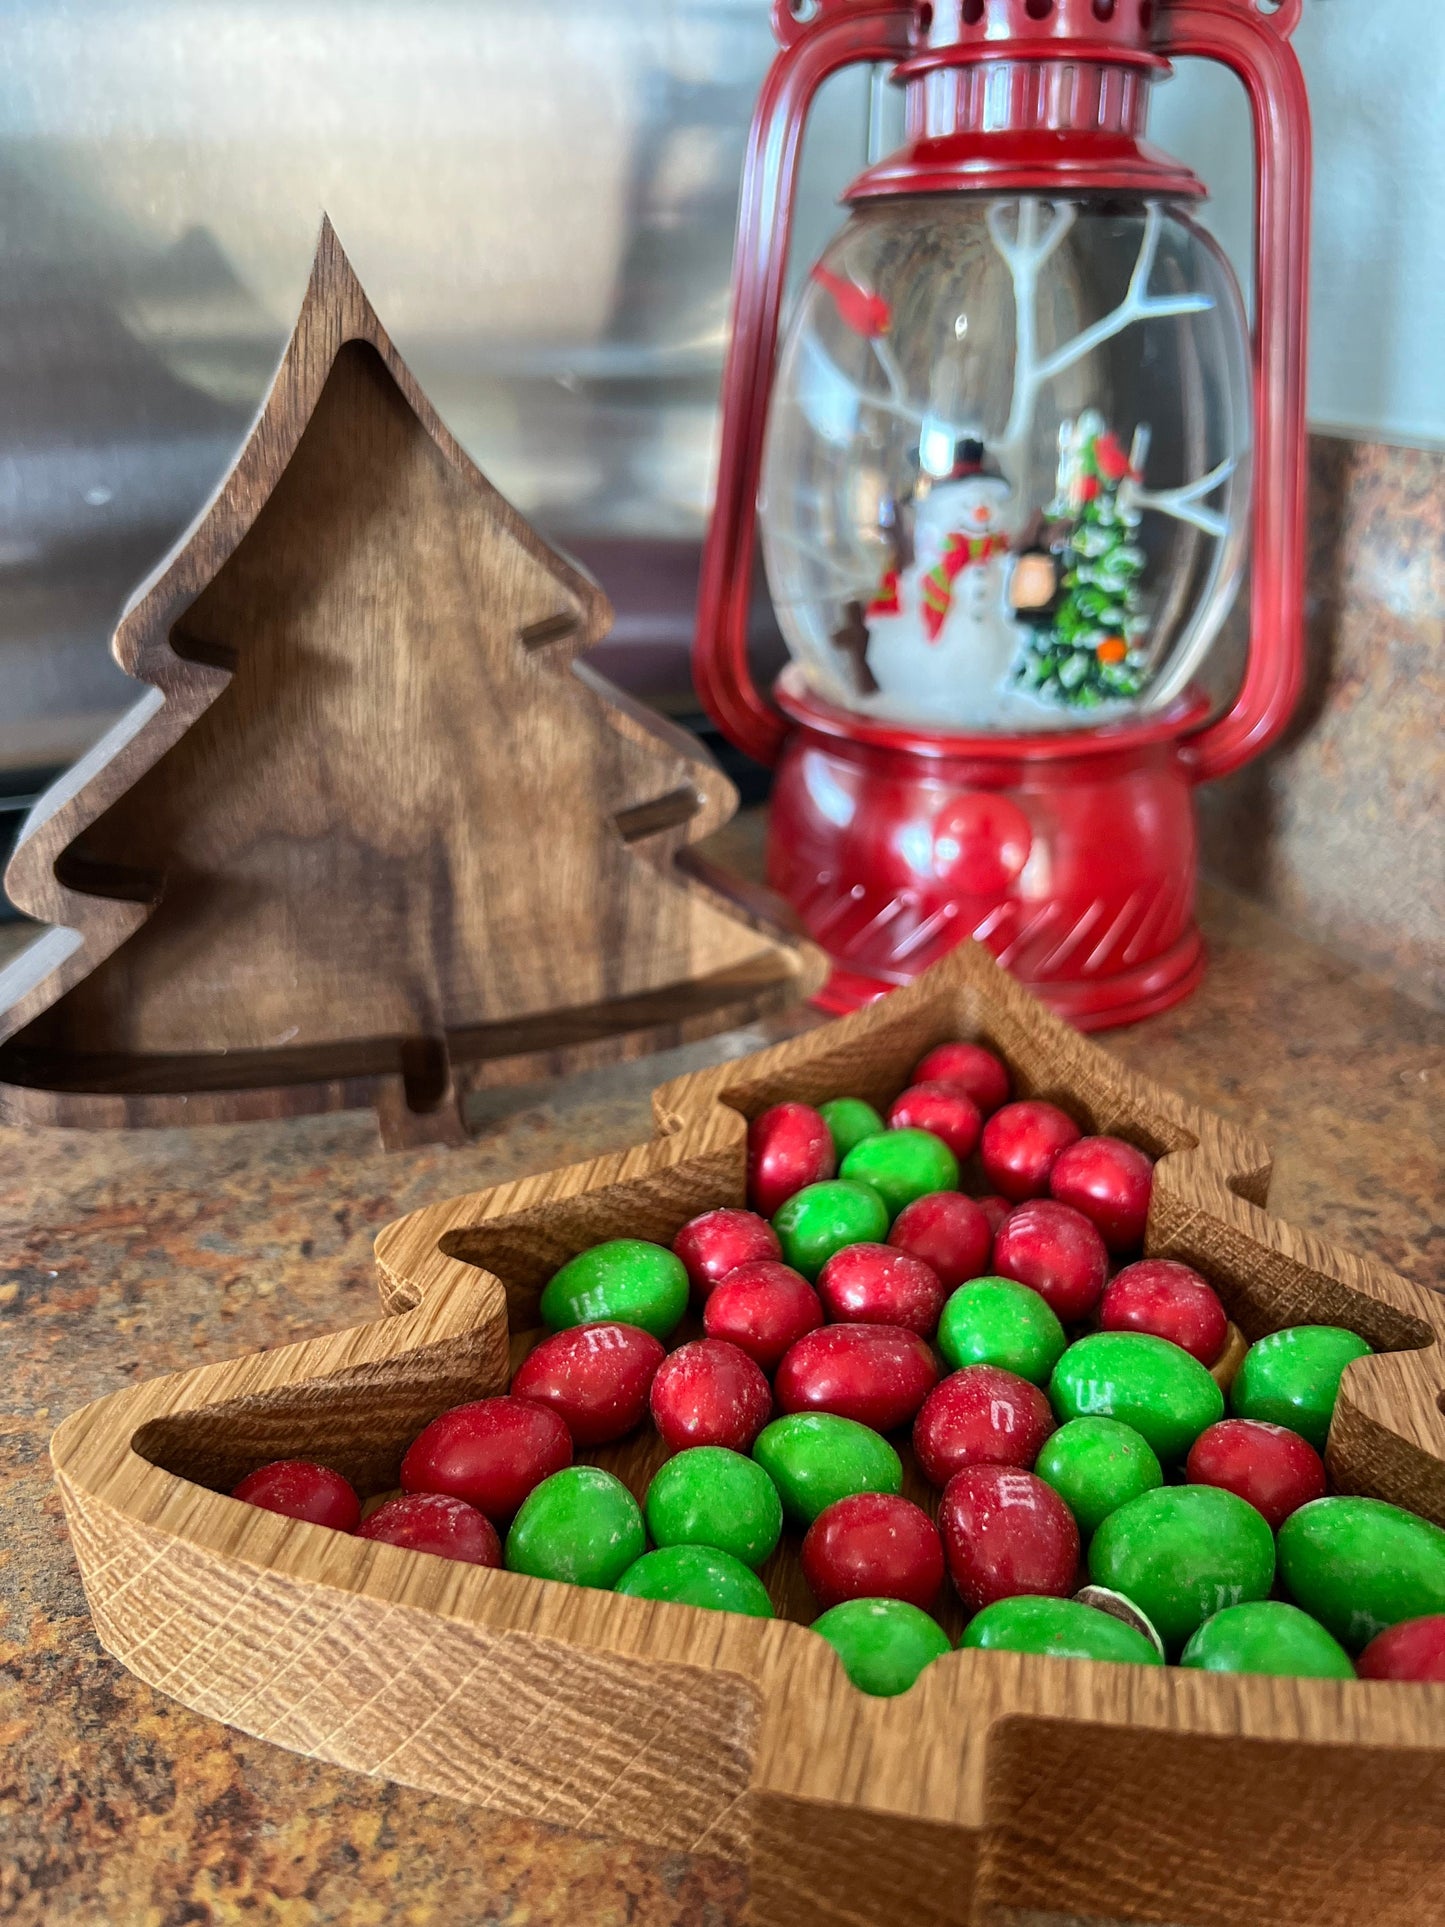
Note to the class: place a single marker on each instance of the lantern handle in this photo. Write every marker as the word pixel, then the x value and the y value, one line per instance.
pixel 814 46
pixel 1254 45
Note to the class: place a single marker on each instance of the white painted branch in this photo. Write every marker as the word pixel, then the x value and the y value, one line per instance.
pixel 828 371
pixel 1185 503
pixel 1137 305
pixel 905 411
pixel 1025 253
pixel 892 373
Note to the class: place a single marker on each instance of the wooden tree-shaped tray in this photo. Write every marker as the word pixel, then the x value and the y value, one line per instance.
pixel 998 1780
pixel 373 834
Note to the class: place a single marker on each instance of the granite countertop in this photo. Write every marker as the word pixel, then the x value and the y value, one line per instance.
pixel 124 1255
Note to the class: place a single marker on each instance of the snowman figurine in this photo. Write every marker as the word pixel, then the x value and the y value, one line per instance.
pixel 942 636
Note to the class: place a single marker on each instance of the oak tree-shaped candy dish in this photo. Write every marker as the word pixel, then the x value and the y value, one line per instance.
pixel 998 1780
pixel 372 834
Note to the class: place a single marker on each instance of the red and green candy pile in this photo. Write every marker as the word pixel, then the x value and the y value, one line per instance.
pixel 1054 1389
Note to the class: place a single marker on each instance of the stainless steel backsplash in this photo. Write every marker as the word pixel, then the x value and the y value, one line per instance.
pixel 538 194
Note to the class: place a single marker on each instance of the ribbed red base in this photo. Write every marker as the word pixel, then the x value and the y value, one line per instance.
pixel 1071 857
pixel 1127 999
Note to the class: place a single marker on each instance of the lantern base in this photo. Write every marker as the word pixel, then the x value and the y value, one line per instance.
pixel 1125 999
pixel 1072 856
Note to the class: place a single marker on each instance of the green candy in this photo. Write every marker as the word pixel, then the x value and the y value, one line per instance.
pixel 849 1121
pixel 1267 1637
pixel 816 1458
pixel 1096 1465
pixel 627 1279
pixel 884 1644
pixel 1360 1566
pixel 902 1165
pixel 1059 1629
pixel 708 1496
pixel 1182 1554
pixel 581 1525
pixel 822 1218
pixel 1293 1378
pixel 994 1321
pixel 697 1576
pixel 1143 1381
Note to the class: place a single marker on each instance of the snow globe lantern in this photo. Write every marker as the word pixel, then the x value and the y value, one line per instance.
pixel 973 405
pixel 1006 463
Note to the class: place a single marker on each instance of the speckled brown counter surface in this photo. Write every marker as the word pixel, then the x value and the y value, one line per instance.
pixel 125 1255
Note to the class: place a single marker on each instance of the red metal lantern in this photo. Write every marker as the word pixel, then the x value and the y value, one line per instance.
pixel 1009 457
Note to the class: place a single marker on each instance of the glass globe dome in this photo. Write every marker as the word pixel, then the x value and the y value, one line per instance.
pixel 1007 472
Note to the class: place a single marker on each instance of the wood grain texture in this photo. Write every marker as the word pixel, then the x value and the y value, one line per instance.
pixel 373 832
pixel 1000 1781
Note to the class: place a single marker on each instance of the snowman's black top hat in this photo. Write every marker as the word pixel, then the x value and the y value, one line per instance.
pixel 968 460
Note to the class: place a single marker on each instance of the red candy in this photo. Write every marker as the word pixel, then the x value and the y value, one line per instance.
pixel 710 1393
pixel 432 1522
pixel 1272 1468
pixel 1058 1252
pixel 490 1453
pixel 1170 1300
pixel 974 1070
pixel 876 1285
pixel 1110 1182
pixel 877 1374
pixel 981 1415
pixel 788 1147
pixel 762 1308
pixel 943 1109
pixel 995 1209
pixel 302 1490
pixel 949 1232
pixel 873 1546
pixel 1005 1533
pixel 719 1241
pixel 1019 1146
pixel 1415 1649
pixel 594 1377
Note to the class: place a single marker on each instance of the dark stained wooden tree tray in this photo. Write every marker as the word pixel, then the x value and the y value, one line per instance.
pixel 998 1781
pixel 373 834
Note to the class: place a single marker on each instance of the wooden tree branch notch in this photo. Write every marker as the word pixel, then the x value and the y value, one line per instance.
pixel 373 834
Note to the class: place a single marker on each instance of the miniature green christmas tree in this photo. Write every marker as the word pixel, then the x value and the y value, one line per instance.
pixel 1085 654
